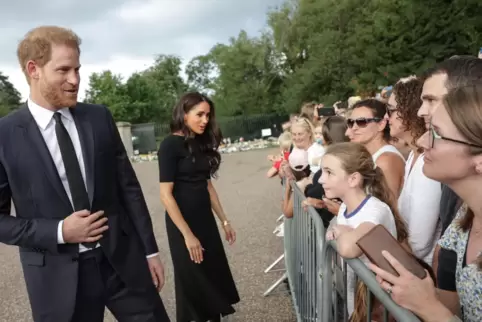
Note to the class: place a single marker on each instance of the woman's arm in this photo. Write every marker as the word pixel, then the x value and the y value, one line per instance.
pixel 346 239
pixel 414 294
pixel 287 203
pixel 172 209
pixel 393 169
pixel 450 300
pixel 215 203
pixel 272 172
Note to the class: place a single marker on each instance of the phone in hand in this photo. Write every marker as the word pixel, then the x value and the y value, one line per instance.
pixel 326 111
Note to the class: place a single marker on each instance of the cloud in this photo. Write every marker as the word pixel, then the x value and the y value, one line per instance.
pixel 125 35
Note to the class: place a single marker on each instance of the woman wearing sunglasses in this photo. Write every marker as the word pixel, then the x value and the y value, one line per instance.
pixel 453 156
pixel 419 201
pixel 368 126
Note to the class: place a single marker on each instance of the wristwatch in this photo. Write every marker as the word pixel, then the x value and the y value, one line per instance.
pixel 225 223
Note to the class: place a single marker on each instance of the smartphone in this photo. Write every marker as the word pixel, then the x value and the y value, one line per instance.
pixel 326 111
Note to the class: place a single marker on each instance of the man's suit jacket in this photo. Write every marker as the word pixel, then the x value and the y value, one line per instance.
pixel 29 177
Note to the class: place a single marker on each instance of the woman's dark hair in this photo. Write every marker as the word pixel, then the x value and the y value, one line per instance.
pixel 379 109
pixel 300 174
pixel 334 129
pixel 407 95
pixel 209 141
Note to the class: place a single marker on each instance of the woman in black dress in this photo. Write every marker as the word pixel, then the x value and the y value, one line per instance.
pixel 188 158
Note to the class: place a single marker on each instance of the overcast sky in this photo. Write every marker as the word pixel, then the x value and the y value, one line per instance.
pixel 125 35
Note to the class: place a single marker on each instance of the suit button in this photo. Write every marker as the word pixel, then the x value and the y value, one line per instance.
pixel 75 259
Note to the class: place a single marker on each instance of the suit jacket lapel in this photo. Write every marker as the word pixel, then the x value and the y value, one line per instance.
pixel 87 143
pixel 37 143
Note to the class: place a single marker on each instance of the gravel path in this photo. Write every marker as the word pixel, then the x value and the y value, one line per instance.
pixel 251 202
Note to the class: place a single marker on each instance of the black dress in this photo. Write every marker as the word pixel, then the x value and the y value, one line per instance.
pixel 207 290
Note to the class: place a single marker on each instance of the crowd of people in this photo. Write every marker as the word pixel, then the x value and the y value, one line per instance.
pixel 409 159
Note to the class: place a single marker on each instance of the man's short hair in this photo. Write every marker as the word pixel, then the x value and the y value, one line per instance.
pixel 461 71
pixel 37 44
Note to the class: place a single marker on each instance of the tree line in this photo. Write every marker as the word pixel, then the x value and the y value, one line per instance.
pixel 310 50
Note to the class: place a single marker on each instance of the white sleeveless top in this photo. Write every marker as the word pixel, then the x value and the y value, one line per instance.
pixel 387 148
pixel 419 205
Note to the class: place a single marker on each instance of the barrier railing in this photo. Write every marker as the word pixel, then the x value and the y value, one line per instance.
pixel 304 243
pixel 335 289
pixel 317 275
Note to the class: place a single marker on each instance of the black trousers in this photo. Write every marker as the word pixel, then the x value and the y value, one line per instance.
pixel 99 286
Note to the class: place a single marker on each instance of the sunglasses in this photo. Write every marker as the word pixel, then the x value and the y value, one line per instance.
pixel 362 121
pixel 433 135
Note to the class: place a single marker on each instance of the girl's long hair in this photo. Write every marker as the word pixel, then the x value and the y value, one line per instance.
pixel 355 158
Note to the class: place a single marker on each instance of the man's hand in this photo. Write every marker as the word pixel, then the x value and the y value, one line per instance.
pixel 157 272
pixel 84 227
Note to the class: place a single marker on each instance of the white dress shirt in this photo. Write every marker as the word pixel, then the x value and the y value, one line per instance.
pixel 46 124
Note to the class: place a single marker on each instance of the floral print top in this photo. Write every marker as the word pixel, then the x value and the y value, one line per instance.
pixel 468 278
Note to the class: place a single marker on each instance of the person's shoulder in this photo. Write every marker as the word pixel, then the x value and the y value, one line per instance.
pixel 91 108
pixel 390 157
pixel 373 204
pixel 390 160
pixel 171 142
pixel 15 117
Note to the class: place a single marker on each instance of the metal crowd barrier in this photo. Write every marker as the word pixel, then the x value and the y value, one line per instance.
pixel 317 275
pixel 304 239
pixel 335 289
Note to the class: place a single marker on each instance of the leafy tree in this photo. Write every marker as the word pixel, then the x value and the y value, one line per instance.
pixel 9 96
pixel 202 73
pixel 310 50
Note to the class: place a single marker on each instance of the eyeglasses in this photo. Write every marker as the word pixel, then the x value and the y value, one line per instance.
pixel 433 135
pixel 362 121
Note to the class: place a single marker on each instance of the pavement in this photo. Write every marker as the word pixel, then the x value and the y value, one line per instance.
pixel 251 202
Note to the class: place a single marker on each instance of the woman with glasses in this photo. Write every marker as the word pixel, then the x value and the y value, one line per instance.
pixel 368 126
pixel 453 156
pixel 419 201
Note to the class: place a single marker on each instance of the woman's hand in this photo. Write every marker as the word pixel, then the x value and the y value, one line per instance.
pixel 194 247
pixel 230 233
pixel 332 206
pixel 288 173
pixel 410 292
pixel 330 235
pixel 313 202
pixel 336 230
pixel 341 229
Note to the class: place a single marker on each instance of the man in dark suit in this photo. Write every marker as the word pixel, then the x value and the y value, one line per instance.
pixel 82 225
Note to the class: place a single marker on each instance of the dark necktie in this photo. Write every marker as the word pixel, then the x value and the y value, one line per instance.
pixel 80 198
